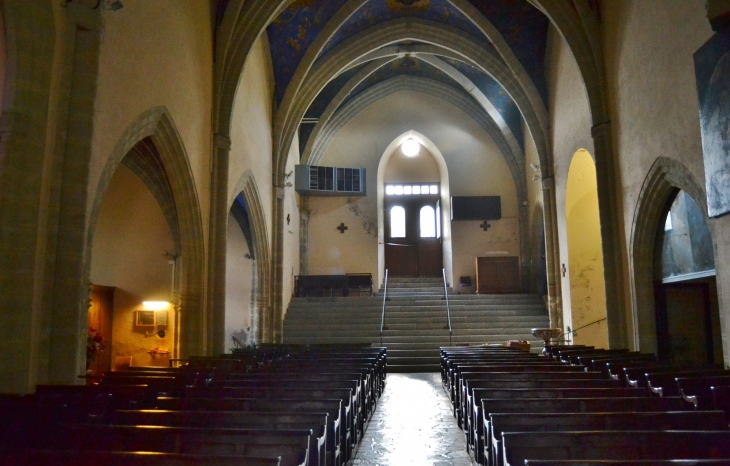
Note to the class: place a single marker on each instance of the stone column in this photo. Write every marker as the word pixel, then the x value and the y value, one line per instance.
pixel 274 332
pixel 215 315
pixel 304 236
pixel 552 253
pixel 617 312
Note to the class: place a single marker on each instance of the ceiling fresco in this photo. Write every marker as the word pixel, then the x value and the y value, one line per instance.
pixel 496 94
pixel 293 32
pixel 379 11
pixel 524 28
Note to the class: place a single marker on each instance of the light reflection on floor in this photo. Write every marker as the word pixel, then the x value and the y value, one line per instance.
pixel 413 425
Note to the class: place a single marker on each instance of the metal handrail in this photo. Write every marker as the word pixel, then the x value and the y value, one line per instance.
pixel 448 309
pixel 385 296
pixel 579 328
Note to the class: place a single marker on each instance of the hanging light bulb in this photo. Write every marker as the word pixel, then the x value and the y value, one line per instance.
pixel 410 147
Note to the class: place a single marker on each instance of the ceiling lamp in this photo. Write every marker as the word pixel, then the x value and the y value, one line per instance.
pixel 411 147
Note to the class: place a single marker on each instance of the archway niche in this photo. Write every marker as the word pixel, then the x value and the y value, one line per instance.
pixel 686 305
pixel 133 258
pixel 587 315
pixel 241 277
pixel 395 167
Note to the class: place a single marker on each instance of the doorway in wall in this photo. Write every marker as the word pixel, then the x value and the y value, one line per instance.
pixel 412 214
pixel 687 311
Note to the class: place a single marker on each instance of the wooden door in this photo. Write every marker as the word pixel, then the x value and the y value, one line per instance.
pixel 412 248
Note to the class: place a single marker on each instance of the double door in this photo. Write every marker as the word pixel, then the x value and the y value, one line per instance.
pixel 413 236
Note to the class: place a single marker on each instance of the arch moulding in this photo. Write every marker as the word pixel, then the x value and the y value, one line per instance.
pixel 157 124
pixel 263 317
pixel 665 177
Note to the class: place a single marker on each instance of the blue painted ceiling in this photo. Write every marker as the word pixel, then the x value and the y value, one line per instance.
pixel 523 27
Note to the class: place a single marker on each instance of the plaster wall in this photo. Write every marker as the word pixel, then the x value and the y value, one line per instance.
pixel 156 54
pixel 648 49
pixel 587 291
pixel 291 228
pixel 475 167
pixel 570 126
pixel 128 253
pixel 251 139
pixel 239 284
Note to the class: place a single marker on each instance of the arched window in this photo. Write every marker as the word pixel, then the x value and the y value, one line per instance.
pixel 428 222
pixel 397 222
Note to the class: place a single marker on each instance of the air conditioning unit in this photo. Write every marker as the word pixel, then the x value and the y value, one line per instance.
pixel 312 180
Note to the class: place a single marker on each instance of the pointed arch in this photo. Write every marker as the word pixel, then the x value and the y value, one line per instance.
pixel 445 201
pixel 665 177
pixel 157 126
pixel 263 312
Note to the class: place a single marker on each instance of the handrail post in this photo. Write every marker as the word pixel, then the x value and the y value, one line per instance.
pixel 382 317
pixel 448 309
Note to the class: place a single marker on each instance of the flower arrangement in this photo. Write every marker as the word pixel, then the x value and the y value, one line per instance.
pixel 95 344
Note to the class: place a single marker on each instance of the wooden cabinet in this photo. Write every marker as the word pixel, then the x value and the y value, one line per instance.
pixel 498 275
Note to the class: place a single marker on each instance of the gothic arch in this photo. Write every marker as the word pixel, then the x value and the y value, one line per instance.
pixel 330 64
pixel 157 125
pixel 263 317
pixel 665 177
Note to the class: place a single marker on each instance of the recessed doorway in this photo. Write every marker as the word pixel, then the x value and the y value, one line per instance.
pixel 412 214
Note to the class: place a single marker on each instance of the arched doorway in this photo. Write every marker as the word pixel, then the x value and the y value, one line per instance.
pixel 587 317
pixel 414 233
pixel 240 277
pixel 133 258
pixel 687 310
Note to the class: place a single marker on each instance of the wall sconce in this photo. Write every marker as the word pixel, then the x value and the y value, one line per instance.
pixel 156 305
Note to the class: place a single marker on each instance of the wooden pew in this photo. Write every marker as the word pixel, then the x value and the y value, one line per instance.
pixel 292 445
pixel 318 423
pixel 358 414
pixel 119 458
pixel 721 400
pixel 693 462
pixel 459 394
pixel 556 422
pixel 664 383
pixel 698 390
pixel 625 445
pixel 475 419
pixel 350 431
pixel 575 405
pixel 636 376
pixel 338 452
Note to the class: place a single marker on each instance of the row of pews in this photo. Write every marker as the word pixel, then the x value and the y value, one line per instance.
pixel 578 405
pixel 275 405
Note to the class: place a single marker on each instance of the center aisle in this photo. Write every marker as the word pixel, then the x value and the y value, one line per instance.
pixel 413 425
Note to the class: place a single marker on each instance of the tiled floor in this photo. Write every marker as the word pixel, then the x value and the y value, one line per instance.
pixel 413 425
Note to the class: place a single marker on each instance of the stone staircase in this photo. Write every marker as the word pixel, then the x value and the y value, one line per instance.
pixel 415 321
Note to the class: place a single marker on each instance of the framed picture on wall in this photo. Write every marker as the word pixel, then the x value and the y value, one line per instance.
pixel 712 73
pixel 145 319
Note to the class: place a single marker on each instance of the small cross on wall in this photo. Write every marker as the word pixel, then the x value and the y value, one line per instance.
pixel 485 226
pixel 342 228
pixel 563 270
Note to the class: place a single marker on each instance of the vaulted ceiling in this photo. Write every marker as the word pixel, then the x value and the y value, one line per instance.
pixel 520 26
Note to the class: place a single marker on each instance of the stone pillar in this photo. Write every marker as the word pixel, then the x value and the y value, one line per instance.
pixel 67 231
pixel 274 332
pixel 552 253
pixel 215 315
pixel 617 312
pixel 304 236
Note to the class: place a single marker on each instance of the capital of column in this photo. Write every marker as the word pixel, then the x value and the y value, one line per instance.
pixel 548 184
pixel 222 142
pixel 601 130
